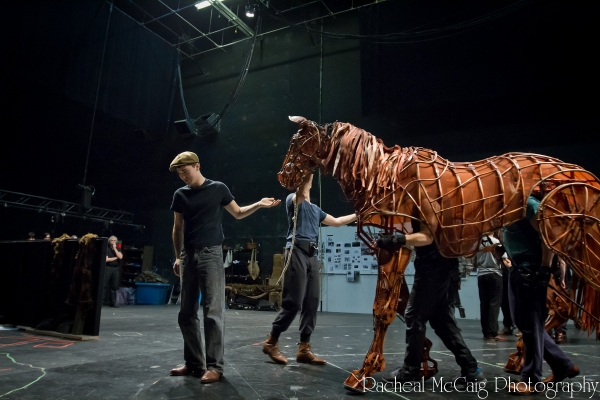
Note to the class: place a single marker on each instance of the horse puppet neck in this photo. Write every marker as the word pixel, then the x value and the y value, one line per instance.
pixel 364 167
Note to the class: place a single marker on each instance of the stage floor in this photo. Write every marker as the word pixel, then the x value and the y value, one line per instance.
pixel 138 346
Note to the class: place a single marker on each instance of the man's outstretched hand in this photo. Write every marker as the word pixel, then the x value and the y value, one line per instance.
pixel 269 202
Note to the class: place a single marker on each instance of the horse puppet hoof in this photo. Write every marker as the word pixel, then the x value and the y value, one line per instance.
pixel 355 382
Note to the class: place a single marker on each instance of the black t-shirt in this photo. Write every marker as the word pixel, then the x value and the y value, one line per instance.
pixel 111 254
pixel 429 255
pixel 202 209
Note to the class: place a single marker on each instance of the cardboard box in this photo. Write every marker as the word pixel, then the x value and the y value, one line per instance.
pixel 276 272
pixel 275 297
pixel 277 260
pixel 277 266
pixel 273 282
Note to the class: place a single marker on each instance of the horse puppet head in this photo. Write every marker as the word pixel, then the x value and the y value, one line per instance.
pixel 308 148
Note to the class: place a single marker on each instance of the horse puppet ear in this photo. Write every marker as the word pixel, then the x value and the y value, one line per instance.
pixel 297 120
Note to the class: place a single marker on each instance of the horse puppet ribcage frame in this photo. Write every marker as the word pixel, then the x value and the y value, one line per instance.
pixel 457 202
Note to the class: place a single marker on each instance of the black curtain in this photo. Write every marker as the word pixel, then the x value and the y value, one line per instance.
pixel 60 45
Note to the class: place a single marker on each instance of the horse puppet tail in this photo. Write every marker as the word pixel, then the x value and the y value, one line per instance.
pixel 569 223
pixel 389 284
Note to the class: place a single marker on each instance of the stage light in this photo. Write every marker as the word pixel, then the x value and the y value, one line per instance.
pixel 250 10
pixel 204 4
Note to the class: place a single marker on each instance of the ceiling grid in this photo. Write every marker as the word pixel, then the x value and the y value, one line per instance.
pixel 195 28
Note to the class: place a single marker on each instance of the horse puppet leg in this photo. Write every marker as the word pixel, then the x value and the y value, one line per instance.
pixel 389 281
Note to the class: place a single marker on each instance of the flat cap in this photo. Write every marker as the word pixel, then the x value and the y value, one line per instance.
pixel 185 158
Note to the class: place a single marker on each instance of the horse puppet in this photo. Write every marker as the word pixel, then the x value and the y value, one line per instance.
pixel 457 201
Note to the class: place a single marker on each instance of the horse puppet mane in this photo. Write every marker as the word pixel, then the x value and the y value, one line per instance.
pixel 364 166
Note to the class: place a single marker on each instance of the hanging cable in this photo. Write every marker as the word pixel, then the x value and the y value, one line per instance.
pixel 204 130
pixel 410 35
pixel 87 158
pixel 188 121
pixel 242 78
pixel 321 251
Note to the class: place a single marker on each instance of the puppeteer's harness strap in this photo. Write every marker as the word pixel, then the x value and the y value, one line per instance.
pixel 289 257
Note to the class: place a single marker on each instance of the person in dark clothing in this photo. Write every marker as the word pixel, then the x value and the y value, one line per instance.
pixel 559 333
pixel 430 300
pixel 111 273
pixel 489 283
pixel 301 276
pixel 465 266
pixel 197 241
pixel 528 285
pixel 507 321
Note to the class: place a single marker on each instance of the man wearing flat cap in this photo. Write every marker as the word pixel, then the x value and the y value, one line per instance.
pixel 197 240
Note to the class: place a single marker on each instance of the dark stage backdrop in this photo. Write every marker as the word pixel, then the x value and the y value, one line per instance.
pixel 62 45
pixel 519 82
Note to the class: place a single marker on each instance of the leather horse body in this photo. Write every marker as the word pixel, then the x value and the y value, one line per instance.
pixel 457 202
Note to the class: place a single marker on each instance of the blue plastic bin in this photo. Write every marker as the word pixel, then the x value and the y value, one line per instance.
pixel 151 293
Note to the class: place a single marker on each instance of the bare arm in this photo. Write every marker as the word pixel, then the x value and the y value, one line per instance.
pixel 242 212
pixel 339 221
pixel 547 256
pixel 415 239
pixel 177 236
pixel 419 239
pixel 562 265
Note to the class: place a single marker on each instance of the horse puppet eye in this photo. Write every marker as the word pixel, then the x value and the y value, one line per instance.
pixel 288 168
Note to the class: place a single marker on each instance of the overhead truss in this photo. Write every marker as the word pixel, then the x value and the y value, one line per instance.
pixel 64 208
pixel 222 23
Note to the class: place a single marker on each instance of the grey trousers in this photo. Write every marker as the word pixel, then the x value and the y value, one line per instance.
pixel 301 289
pixel 203 272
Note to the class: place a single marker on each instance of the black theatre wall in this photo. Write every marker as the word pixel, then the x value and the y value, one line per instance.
pixel 518 83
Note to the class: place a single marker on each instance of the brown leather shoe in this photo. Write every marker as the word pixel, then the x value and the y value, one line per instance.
pixel 305 355
pixel 211 376
pixel 185 371
pixel 507 330
pixel 496 338
pixel 521 389
pixel 271 349
pixel 571 373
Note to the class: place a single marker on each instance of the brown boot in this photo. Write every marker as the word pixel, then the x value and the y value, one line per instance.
pixel 305 355
pixel 271 349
